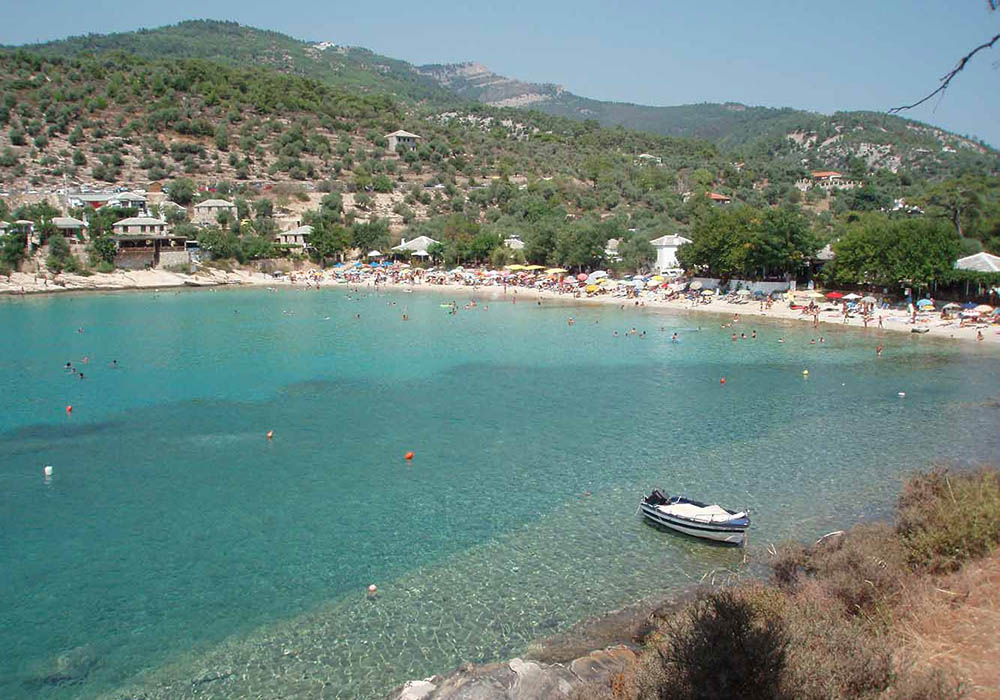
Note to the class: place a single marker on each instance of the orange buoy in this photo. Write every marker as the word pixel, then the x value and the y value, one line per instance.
pixel 270 434
pixel 408 455
pixel 722 381
pixel 69 409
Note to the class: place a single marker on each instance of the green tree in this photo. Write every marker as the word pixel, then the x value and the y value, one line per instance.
pixel 102 249
pixel 182 191
pixel 60 258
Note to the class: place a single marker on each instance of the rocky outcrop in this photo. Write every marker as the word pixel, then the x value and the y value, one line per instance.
pixel 519 679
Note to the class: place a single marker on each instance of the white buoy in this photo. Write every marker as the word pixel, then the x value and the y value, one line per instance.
pixel 48 471
pixel 902 394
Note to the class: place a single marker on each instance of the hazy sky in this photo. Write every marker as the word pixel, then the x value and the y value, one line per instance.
pixel 819 56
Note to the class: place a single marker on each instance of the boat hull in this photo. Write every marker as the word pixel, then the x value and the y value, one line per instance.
pixel 706 531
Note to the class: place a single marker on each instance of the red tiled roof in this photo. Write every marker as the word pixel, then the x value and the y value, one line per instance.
pixel 718 197
pixel 825 173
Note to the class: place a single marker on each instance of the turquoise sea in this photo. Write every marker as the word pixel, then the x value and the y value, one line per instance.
pixel 177 552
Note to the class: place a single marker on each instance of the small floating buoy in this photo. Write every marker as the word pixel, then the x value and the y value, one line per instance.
pixel 372 589
pixel 69 409
pixel 270 434
pixel 805 373
pixel 722 381
pixel 408 455
pixel 47 471
pixel 902 394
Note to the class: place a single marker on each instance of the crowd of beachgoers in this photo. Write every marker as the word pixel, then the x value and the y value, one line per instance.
pixel 966 320
pixel 870 311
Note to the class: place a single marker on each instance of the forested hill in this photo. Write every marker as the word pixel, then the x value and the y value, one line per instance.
pixel 236 45
pixel 846 139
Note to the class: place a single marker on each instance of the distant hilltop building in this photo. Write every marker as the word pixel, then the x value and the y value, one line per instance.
pixel 826 180
pixel 648 159
pixel 718 198
pixel 402 138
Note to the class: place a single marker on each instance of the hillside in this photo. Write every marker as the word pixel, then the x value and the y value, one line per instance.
pixel 876 139
pixel 240 46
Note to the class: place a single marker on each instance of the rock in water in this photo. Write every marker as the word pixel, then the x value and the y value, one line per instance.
pixel 72 667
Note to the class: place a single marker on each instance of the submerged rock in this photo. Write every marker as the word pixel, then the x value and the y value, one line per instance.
pixel 518 679
pixel 70 668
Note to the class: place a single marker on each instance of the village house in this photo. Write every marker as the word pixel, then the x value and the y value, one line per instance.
pixel 826 180
pixel 74 230
pixel 648 159
pixel 718 198
pixel 296 237
pixel 611 249
pixel 3 228
pixel 514 242
pixel 99 200
pixel 137 225
pixel 402 138
pixel 207 213
pixel 417 246
pixel 666 251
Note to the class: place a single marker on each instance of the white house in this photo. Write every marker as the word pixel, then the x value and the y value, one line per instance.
pixel 666 250
pixel 980 262
pixel 207 213
pixel 402 138
pixel 514 243
pixel 611 249
pixel 414 245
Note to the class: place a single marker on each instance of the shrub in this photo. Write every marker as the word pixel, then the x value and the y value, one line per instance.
pixel 724 646
pixel 946 518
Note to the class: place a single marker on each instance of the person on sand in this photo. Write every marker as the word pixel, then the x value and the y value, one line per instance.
pixel 979 335
pixel 880 321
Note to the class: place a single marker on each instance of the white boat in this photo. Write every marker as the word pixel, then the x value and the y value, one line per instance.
pixel 710 522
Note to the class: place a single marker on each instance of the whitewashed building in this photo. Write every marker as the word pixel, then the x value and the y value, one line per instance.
pixel 666 250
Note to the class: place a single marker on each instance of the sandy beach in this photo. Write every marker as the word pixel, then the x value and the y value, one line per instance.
pixel 893 320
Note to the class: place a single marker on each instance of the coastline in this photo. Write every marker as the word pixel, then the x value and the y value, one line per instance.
pixel 894 321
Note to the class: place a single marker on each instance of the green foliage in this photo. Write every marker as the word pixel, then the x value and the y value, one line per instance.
pixel 947 518
pixel 749 242
pixel 60 258
pixel 182 191
pixel 12 250
pixel 875 249
pixel 102 249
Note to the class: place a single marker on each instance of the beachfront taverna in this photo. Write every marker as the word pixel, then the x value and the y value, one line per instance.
pixel 415 245
pixel 666 250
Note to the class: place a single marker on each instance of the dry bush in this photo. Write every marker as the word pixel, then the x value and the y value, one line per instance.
pixel 946 518
pixel 862 571
pixel 832 654
pixel 723 645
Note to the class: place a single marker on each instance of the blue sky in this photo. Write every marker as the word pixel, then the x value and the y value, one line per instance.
pixel 819 56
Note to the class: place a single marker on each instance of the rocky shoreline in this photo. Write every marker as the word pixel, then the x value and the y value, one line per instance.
pixel 592 651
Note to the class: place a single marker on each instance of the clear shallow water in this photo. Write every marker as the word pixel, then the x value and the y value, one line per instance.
pixel 176 550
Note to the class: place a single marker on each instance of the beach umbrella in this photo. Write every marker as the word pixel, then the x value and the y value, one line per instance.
pixel 598 274
pixel 868 299
pixel 852 296
pixel 591 288
pixel 514 267
pixel 708 292
pixel 952 305
pixel 534 267
pixel 695 285
pixel 996 312
pixel 984 308
pixel 924 302
pixel 743 293
pixel 835 295
pixel 374 254
pixel 582 277
pixel 969 305
pixel 555 271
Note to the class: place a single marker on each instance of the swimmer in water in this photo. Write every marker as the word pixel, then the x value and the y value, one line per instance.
pixel 781 340
pixel 673 338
